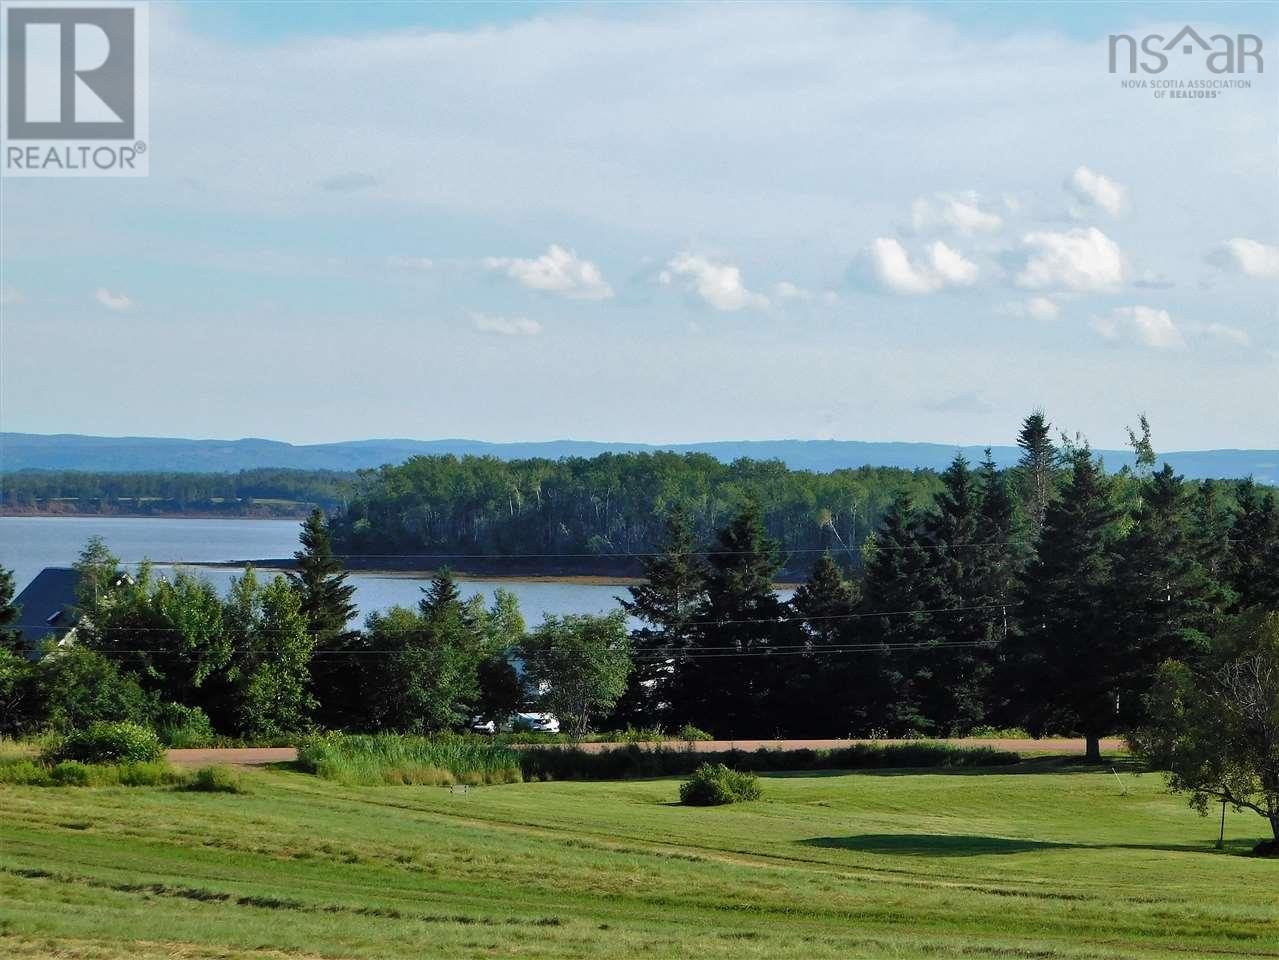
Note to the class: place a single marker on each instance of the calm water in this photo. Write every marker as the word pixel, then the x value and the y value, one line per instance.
pixel 29 544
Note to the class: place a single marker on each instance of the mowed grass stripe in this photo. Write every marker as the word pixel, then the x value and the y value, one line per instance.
pixel 990 887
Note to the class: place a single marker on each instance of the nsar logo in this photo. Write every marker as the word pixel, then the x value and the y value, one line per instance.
pixel 1221 52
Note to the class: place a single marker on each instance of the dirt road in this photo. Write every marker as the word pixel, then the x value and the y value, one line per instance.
pixel 258 756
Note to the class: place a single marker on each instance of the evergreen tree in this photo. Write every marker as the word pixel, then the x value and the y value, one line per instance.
pixel 666 602
pixel 814 703
pixel 1036 469
pixel 1164 604
pixel 950 679
pixel 998 560
pixel 1254 547
pixel 327 602
pixel 1210 531
pixel 320 580
pixel 1068 666
pixel 441 598
pixel 882 698
pixel 724 686
pixel 9 637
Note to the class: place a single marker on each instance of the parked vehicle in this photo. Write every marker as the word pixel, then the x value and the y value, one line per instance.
pixel 520 722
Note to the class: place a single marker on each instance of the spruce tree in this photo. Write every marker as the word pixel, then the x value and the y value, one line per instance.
pixel 894 600
pixel 814 701
pixel 326 601
pixel 950 680
pixel 1068 665
pixel 1164 604
pixel 1254 547
pixel 1209 532
pixel 1036 469
pixel 724 685
pixel 667 600
pixel 442 597
pixel 998 560
pixel 320 580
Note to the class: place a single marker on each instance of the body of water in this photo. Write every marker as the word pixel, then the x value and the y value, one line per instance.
pixel 29 544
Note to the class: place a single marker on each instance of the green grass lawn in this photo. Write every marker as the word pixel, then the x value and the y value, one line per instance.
pixel 1051 860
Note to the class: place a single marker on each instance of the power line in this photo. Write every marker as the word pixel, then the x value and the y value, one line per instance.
pixel 798 618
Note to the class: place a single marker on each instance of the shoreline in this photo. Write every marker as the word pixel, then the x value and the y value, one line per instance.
pixel 72 515
pixel 584 579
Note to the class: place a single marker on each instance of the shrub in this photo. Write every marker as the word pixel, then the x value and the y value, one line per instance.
pixel 70 773
pixel 24 773
pixel 181 727
pixel 216 779
pixel 105 742
pixel 998 733
pixel 689 732
pixel 713 784
pixel 73 773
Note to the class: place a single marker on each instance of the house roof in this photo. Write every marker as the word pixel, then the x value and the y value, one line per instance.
pixel 46 606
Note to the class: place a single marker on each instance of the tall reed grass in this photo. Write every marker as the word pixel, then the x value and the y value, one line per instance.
pixel 392 758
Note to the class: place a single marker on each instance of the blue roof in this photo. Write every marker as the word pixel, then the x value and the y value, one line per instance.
pixel 46 607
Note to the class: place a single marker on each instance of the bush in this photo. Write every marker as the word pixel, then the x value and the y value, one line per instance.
pixel 73 773
pixel 70 773
pixel 23 772
pixel 713 784
pixel 216 779
pixel 105 742
pixel 688 732
pixel 998 733
pixel 183 727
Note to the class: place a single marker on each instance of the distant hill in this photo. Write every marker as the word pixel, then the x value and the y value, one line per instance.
pixel 27 451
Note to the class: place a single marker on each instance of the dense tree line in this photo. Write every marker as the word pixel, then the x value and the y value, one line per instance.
pixel 599 514
pixel 276 658
pixel 265 491
pixel 1045 596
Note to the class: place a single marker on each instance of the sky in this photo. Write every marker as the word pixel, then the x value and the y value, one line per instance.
pixel 661 223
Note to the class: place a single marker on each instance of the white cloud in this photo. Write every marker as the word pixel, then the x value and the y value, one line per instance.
pixel 1076 259
pixel 1042 309
pixel 1224 332
pixel 894 270
pixel 1154 328
pixel 507 326
pixel 11 297
pixel 1093 189
pixel 718 284
pixel 785 290
pixel 961 213
pixel 968 402
pixel 556 271
pixel 951 266
pixel 112 301
pixel 1249 257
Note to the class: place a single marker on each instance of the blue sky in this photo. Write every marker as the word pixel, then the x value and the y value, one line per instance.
pixel 660 222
